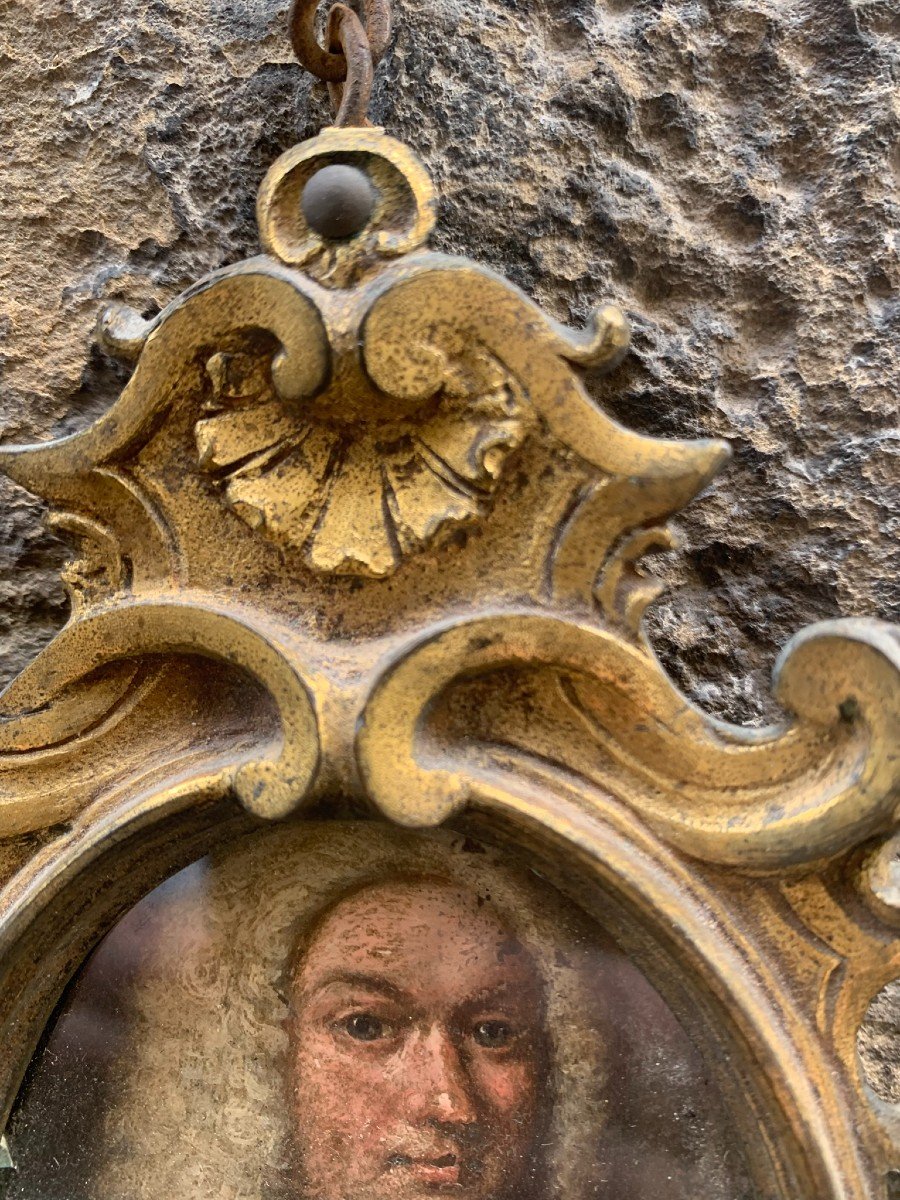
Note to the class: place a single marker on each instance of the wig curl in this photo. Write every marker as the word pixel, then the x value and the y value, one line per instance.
pixel 166 1073
pixel 203 1111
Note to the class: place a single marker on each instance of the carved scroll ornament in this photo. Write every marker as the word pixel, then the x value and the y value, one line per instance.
pixel 355 528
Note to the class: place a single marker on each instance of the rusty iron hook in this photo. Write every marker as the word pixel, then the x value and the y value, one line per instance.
pixel 331 64
pixel 350 97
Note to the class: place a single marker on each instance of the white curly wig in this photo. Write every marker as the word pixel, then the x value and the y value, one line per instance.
pixel 202 1112
pixel 165 1074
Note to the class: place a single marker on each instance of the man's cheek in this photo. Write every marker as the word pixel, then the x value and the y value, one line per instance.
pixel 353 1105
pixel 507 1087
pixel 339 1135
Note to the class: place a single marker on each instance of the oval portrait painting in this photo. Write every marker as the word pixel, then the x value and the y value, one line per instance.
pixel 348 1011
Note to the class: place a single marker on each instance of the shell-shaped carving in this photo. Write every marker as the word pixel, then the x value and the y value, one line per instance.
pixel 353 485
pixel 340 408
pixel 357 401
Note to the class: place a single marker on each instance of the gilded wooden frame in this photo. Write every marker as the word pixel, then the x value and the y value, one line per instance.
pixel 355 538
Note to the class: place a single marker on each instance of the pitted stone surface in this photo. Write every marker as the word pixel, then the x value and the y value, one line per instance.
pixel 722 170
pixel 726 170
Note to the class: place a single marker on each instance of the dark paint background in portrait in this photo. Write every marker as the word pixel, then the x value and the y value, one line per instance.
pixel 664 1128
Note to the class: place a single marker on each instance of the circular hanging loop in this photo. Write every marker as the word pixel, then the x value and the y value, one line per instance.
pixel 333 65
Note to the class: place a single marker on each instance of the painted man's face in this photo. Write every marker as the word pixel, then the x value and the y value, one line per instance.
pixel 418 1052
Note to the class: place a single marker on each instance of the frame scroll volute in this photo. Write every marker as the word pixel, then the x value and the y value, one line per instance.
pixel 355 528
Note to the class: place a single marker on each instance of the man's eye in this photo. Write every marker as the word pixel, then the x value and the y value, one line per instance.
pixel 494 1035
pixel 364 1027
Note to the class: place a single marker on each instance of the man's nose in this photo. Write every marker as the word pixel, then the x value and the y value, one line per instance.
pixel 439 1086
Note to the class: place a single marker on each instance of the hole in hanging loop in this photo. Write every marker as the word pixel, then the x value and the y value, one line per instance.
pixel 329 64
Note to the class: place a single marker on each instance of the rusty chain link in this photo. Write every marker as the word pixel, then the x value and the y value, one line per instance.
pixel 354 49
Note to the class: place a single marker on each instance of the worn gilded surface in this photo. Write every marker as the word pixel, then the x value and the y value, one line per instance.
pixel 722 171
pixel 342 964
pixel 355 533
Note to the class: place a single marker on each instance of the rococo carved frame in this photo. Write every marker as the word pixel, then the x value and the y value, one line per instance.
pixel 356 539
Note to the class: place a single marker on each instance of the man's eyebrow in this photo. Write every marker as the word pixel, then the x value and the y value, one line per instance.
pixel 358 979
pixel 500 993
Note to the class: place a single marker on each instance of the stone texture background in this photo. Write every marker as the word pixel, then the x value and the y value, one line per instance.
pixel 727 170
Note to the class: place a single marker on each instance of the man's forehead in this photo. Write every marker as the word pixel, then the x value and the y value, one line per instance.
pixel 407 927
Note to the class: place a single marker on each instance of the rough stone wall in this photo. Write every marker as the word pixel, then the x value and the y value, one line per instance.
pixel 726 170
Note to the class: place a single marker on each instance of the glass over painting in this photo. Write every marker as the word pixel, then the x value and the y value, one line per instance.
pixel 349 1011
